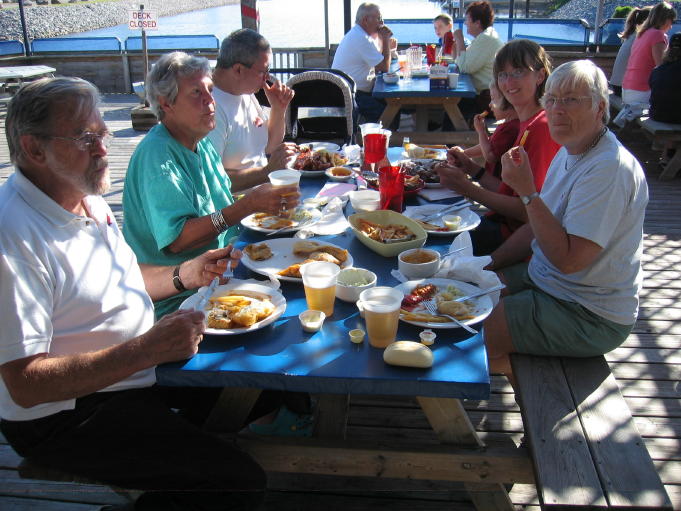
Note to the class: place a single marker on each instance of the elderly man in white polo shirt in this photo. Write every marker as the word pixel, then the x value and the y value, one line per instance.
pixel 78 343
pixel 365 50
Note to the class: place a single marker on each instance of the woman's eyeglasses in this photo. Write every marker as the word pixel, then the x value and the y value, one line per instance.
pixel 516 74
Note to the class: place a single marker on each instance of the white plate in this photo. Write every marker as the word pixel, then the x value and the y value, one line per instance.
pixel 283 257
pixel 251 224
pixel 482 306
pixel 469 220
pixel 420 72
pixel 278 301
pixel 329 146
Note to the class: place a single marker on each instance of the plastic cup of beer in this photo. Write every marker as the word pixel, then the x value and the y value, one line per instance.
pixel 319 280
pixel 284 177
pixel 381 314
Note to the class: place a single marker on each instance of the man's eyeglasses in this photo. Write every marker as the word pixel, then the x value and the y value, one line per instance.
pixel 262 72
pixel 568 102
pixel 87 141
pixel 516 74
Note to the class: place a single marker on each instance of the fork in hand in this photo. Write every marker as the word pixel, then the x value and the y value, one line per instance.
pixel 432 309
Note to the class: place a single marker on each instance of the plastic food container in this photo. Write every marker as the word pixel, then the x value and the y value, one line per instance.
pixel 415 270
pixel 311 320
pixel 356 335
pixel 365 200
pixel 346 283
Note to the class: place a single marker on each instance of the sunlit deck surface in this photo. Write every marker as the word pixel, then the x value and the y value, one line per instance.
pixel 647 367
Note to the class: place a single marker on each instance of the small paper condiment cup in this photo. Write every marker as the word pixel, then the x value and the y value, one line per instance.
pixel 311 320
pixel 357 335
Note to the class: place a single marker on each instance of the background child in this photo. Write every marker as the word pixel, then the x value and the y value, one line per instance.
pixel 443 29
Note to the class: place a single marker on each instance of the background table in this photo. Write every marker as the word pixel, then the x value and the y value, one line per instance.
pixel 416 93
pixel 16 75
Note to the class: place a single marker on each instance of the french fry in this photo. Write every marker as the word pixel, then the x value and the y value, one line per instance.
pixel 523 138
pixel 484 114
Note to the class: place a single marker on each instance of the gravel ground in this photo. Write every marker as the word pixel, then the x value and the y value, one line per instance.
pixel 586 9
pixel 55 20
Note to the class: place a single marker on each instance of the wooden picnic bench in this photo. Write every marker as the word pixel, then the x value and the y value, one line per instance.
pixel 586 450
pixel 661 133
pixel 667 133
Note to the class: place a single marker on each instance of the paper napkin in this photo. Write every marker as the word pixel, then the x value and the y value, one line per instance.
pixel 437 193
pixel 466 267
pixel 332 221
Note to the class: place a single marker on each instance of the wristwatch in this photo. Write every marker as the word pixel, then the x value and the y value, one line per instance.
pixel 526 199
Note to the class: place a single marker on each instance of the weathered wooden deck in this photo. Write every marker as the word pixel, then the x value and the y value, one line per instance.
pixel 647 367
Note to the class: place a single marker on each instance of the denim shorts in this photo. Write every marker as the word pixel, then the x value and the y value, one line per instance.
pixel 541 324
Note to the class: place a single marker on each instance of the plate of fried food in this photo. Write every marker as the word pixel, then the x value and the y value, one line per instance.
pixel 295 220
pixel 424 169
pixel 443 292
pixel 387 232
pixel 282 258
pixel 448 225
pixel 239 307
pixel 314 162
pixel 428 153
pixel 412 184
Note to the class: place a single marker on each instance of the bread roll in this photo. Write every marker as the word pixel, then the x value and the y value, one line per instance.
pixel 408 354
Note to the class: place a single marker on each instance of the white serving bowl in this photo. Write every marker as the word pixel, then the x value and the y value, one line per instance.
pixel 418 270
pixel 391 78
pixel 347 292
pixel 333 177
pixel 365 200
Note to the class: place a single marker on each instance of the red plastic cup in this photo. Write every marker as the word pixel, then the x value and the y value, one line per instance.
pixel 375 147
pixel 391 188
pixel 430 54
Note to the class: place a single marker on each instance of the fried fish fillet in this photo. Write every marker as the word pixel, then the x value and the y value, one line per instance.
pixel 258 252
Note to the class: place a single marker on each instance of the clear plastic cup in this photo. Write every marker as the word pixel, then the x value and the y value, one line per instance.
pixel 382 314
pixel 285 177
pixel 319 280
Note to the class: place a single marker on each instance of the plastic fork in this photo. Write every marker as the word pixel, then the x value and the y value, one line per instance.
pixel 432 309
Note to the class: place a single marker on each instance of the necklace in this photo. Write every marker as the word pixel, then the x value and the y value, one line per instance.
pixel 581 156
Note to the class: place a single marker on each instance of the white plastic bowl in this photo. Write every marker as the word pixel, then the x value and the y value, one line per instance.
pixel 365 200
pixel 349 293
pixel 418 270
pixel 391 78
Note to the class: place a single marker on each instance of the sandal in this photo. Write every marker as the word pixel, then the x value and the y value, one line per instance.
pixel 286 423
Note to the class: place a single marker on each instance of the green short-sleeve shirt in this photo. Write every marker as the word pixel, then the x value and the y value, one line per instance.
pixel 166 184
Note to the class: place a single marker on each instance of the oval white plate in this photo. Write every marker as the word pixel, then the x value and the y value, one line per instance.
pixel 283 257
pixel 278 301
pixel 469 220
pixel 329 146
pixel 251 224
pixel 482 306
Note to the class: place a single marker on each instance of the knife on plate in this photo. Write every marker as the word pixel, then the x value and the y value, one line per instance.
pixel 480 293
pixel 205 293
pixel 448 209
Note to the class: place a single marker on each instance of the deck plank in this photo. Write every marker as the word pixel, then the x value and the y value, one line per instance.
pixel 647 368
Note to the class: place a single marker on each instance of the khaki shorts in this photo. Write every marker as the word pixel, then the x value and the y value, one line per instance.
pixel 543 325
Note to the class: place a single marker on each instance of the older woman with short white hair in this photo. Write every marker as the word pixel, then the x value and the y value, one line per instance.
pixel 578 296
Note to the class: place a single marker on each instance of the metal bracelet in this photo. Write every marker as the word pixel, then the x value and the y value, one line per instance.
pixel 219 222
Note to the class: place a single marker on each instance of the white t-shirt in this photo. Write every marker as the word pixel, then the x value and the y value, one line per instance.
pixel 357 55
pixel 240 135
pixel 601 198
pixel 69 284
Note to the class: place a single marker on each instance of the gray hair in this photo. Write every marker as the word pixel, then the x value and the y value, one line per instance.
pixel 578 73
pixel 162 80
pixel 365 10
pixel 33 108
pixel 242 46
